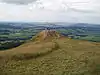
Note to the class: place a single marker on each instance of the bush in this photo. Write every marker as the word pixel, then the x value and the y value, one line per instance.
pixel 9 45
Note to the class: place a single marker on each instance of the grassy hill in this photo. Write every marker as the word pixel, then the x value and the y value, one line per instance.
pixel 59 56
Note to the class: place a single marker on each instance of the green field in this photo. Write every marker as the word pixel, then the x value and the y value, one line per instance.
pixel 83 35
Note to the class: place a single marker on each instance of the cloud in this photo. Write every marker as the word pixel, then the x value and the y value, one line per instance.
pixel 18 1
pixel 51 10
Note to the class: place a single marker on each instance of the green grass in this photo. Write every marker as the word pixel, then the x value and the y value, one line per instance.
pixel 91 38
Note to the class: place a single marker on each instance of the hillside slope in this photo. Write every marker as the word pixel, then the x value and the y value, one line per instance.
pixel 60 56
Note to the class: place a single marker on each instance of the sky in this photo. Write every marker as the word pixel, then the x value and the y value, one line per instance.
pixel 85 11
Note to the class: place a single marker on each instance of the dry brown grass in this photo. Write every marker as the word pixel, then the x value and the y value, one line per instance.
pixel 62 56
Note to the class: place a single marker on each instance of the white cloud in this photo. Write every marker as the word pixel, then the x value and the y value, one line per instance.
pixel 19 2
pixel 52 10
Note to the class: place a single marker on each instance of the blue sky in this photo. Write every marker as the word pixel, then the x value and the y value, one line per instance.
pixel 87 11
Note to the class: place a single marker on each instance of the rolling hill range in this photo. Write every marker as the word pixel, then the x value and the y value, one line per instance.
pixel 50 53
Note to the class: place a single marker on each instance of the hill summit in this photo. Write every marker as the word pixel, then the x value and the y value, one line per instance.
pixel 62 56
pixel 47 35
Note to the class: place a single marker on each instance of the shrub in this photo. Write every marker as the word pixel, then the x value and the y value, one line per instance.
pixel 9 45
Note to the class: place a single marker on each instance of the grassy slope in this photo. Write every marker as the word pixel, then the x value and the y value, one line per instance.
pixel 63 57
